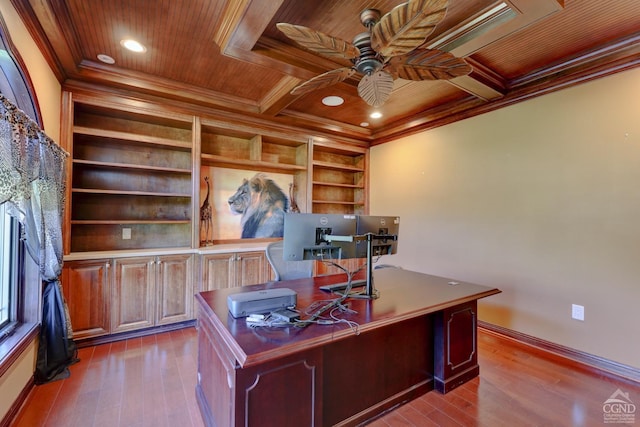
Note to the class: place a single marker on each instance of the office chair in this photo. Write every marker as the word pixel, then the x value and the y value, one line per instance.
pixel 286 270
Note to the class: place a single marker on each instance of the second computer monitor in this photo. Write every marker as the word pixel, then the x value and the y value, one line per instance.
pixel 306 236
pixel 377 226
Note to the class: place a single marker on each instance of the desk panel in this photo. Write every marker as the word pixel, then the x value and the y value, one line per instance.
pixel 420 334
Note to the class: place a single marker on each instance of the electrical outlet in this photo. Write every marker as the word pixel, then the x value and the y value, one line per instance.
pixel 126 233
pixel 577 312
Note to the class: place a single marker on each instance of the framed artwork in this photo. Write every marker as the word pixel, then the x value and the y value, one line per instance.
pixel 242 204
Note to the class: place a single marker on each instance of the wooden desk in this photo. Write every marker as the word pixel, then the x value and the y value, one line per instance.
pixel 419 335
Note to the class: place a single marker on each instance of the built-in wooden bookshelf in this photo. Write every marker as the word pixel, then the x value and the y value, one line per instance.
pixel 134 185
pixel 130 183
pixel 135 171
pixel 339 179
pixel 263 152
pixel 237 147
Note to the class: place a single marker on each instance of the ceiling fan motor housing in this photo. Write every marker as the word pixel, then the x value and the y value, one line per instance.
pixel 370 17
pixel 369 61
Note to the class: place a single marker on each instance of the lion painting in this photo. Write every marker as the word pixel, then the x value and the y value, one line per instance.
pixel 262 204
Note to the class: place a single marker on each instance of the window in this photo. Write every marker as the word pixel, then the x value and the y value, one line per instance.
pixel 19 292
pixel 14 83
pixel 20 281
pixel 9 277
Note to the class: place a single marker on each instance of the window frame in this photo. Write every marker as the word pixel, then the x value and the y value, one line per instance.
pixel 27 295
pixel 9 264
pixel 23 93
pixel 23 326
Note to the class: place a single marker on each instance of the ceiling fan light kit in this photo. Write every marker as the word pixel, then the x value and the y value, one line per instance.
pixel 390 49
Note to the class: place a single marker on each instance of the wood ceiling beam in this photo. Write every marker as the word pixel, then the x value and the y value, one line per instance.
pixel 623 52
pixel 230 19
pixel 49 26
pixel 246 28
pixel 497 21
pixel 359 133
pixel 244 23
pixel 101 74
pixel 279 97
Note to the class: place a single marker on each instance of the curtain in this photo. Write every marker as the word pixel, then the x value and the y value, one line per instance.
pixel 32 183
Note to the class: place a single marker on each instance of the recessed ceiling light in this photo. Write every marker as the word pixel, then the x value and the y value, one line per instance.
pixel 364 124
pixel 106 59
pixel 332 101
pixel 132 45
pixel 375 115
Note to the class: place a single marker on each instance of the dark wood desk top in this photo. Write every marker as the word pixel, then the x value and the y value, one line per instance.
pixel 404 294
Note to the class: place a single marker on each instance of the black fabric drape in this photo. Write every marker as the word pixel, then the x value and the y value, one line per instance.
pixel 33 177
pixel 56 351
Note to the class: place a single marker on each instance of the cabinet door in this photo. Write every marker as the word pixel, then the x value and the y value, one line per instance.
pixel 251 268
pixel 133 296
pixel 174 289
pixel 217 271
pixel 86 285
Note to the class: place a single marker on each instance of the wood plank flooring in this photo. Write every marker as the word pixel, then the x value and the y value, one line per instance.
pixel 150 381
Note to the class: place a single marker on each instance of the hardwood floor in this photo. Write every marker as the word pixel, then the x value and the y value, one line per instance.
pixel 150 381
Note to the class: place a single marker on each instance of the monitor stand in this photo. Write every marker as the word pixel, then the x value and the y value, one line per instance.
pixel 370 291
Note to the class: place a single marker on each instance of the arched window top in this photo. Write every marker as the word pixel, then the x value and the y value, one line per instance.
pixel 15 83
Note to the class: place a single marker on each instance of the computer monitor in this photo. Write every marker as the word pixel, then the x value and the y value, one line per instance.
pixel 305 236
pixel 378 226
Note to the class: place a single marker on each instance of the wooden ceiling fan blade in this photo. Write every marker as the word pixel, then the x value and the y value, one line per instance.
pixel 323 80
pixel 318 42
pixel 428 64
pixel 407 26
pixel 376 88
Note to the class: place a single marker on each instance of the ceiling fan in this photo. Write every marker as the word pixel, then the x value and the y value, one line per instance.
pixel 390 49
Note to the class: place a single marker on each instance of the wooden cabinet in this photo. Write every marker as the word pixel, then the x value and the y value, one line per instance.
pixel 151 291
pixel 174 289
pixel 251 268
pixel 133 296
pixel 86 287
pixel 339 179
pixel 130 178
pixel 134 184
pixel 108 296
pixel 228 270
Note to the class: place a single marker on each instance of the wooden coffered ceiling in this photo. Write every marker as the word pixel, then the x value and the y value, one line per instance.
pixel 228 56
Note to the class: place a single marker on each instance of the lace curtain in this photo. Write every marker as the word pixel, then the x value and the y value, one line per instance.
pixel 32 182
